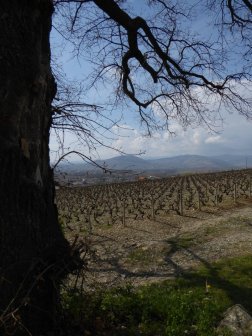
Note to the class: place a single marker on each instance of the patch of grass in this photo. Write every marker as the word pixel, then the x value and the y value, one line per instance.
pixel 209 232
pixel 233 275
pixel 186 241
pixel 152 253
pixel 182 242
pixel 178 309
pixel 169 309
pixel 236 221
pixel 173 308
pixel 141 256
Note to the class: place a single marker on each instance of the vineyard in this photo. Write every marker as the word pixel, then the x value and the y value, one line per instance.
pixel 111 204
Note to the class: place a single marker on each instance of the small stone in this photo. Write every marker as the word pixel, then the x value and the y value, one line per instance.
pixel 237 320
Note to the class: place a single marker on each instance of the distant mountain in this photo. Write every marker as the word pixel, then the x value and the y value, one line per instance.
pixel 176 164
pixel 125 162
pixel 237 161
pixel 191 163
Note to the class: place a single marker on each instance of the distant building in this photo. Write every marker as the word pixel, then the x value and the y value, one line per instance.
pixel 153 178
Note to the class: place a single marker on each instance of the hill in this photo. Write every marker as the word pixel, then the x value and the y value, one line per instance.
pixel 176 164
pixel 191 163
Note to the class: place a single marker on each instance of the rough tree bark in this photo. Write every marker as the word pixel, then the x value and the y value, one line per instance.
pixel 31 243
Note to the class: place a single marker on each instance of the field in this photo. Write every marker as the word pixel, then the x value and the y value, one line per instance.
pixel 110 204
pixel 152 231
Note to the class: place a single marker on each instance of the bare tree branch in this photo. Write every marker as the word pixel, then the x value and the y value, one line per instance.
pixel 155 62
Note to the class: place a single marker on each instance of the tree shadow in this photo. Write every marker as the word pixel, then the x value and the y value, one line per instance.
pixel 232 281
pixel 229 275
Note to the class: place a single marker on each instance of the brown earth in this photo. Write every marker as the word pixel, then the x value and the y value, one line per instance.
pixel 147 251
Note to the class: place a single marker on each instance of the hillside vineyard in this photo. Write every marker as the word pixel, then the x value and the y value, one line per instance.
pixel 118 203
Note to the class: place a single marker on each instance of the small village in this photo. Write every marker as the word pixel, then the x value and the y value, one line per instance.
pixel 91 178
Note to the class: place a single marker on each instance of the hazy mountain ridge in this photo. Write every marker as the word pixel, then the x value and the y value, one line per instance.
pixel 179 163
pixel 191 162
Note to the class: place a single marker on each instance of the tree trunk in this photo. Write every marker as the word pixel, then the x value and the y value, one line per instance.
pixel 31 243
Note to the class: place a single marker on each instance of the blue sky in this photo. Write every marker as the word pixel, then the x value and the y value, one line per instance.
pixel 232 134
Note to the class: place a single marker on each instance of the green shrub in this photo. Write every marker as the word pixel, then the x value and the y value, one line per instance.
pixel 184 306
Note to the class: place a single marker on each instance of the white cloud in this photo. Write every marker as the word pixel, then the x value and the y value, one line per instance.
pixel 196 137
pixel 214 139
pixel 234 137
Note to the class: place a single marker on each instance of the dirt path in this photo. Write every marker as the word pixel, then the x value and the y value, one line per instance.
pixel 154 250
